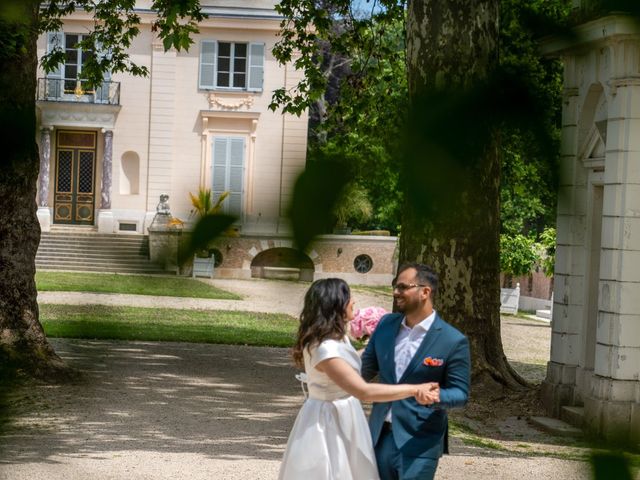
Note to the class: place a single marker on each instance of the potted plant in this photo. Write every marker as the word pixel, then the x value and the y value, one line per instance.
pixel 203 204
pixel 353 205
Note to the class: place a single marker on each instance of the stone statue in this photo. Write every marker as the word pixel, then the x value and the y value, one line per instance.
pixel 163 206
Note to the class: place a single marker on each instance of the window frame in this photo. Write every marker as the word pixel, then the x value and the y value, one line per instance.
pixel 251 64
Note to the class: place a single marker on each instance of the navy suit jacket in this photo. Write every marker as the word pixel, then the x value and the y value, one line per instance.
pixel 418 430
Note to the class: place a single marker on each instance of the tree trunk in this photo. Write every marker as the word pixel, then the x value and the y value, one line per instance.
pixel 22 339
pixel 453 44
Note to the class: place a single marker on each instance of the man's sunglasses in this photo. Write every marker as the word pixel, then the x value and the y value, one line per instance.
pixel 403 287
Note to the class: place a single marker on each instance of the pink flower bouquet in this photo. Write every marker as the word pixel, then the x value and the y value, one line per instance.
pixel 365 321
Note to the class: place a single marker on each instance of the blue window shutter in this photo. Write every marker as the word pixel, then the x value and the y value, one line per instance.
pixel 219 168
pixel 103 94
pixel 55 40
pixel 256 67
pixel 208 54
pixel 236 175
pixel 227 172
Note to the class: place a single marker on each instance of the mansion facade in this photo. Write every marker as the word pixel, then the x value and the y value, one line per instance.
pixel 199 119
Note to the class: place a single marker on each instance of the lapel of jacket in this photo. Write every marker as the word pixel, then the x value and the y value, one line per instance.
pixel 427 343
pixel 389 352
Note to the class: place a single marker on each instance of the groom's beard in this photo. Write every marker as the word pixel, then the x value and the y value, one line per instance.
pixel 405 306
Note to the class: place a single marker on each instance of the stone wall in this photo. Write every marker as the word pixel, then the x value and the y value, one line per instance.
pixel 536 284
pixel 328 256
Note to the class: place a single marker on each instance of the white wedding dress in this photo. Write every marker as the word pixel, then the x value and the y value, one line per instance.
pixel 330 439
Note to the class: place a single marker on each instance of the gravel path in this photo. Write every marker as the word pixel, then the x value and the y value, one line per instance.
pixel 154 411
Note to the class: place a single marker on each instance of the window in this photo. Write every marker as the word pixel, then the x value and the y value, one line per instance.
pixel 67 78
pixel 232 65
pixel 227 172
pixel 363 263
pixel 75 58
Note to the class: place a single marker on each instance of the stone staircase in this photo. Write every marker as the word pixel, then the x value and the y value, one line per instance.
pixel 573 415
pixel 569 424
pixel 83 249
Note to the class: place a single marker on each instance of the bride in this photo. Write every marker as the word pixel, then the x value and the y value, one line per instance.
pixel 330 439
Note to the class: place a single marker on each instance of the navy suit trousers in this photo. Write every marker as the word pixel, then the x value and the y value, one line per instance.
pixel 393 465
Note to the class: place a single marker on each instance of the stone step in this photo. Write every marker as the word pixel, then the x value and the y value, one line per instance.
pixel 86 250
pixel 572 415
pixel 101 269
pixel 93 244
pixel 70 241
pixel 546 314
pixel 97 261
pixel 71 253
pixel 555 427
pixel 69 246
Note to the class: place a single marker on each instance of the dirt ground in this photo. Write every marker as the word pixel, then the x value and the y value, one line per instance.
pixel 147 410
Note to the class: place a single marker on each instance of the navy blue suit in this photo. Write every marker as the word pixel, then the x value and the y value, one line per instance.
pixel 419 430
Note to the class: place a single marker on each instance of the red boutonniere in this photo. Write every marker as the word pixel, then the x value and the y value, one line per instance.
pixel 433 362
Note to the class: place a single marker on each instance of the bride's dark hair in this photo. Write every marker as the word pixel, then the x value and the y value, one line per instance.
pixel 323 315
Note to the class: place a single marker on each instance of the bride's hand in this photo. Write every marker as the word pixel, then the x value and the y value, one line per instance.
pixel 428 393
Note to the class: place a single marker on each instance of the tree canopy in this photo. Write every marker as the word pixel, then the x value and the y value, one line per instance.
pixel 358 105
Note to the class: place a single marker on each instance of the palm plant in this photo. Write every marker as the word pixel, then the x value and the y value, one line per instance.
pixel 203 203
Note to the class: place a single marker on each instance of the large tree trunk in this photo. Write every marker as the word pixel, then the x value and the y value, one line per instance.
pixel 22 339
pixel 452 44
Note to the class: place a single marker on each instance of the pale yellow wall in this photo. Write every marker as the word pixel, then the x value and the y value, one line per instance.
pixel 131 133
pixel 160 122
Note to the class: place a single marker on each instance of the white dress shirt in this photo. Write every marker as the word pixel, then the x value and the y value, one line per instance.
pixel 407 342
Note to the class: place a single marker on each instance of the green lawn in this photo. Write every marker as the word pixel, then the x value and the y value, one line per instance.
pixel 380 289
pixel 130 284
pixel 170 325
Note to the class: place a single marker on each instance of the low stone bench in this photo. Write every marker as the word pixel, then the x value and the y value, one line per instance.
pixel 281 273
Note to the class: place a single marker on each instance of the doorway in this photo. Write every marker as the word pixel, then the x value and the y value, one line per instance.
pixel 74 196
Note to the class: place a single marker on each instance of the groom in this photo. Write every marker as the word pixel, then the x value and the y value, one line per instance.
pixel 415 346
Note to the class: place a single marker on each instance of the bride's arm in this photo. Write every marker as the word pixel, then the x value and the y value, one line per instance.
pixel 348 379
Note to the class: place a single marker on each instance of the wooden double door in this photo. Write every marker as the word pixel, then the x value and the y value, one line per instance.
pixel 75 192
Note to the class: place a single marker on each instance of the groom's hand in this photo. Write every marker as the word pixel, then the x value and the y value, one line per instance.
pixel 428 393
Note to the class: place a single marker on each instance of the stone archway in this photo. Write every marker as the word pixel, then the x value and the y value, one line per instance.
pixel 593 123
pixel 282 263
pixel 593 374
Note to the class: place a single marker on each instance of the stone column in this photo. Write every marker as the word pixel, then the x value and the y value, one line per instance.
pixel 612 407
pixel 105 217
pixel 45 160
pixel 559 386
pixel 105 190
pixel 44 214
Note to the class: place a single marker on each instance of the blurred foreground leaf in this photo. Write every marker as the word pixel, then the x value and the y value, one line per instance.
pixel 449 131
pixel 206 229
pixel 315 193
pixel 611 465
